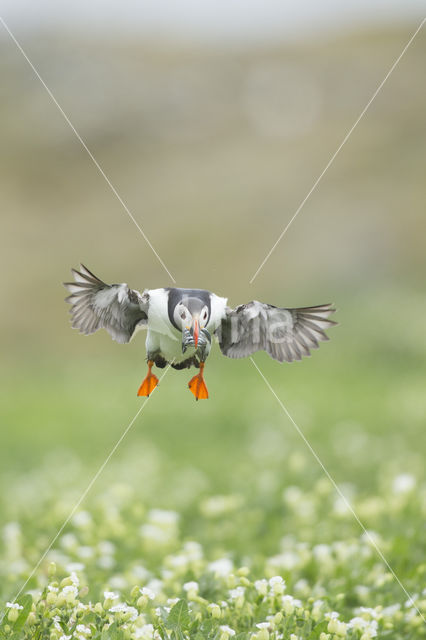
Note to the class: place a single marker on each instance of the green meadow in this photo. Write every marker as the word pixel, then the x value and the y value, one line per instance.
pixel 223 495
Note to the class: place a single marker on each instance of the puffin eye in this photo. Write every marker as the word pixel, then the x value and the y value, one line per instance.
pixel 183 314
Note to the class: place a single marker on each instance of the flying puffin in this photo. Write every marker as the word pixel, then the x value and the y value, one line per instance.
pixel 181 322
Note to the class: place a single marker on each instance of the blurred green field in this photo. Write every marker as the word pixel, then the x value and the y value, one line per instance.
pixel 235 471
pixel 222 493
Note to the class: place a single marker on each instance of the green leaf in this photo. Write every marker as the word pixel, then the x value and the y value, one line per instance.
pixel 178 617
pixel 112 633
pixel 318 629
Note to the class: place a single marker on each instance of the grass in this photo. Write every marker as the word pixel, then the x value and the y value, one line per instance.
pixel 217 510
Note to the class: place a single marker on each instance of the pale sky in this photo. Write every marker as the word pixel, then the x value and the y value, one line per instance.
pixel 211 19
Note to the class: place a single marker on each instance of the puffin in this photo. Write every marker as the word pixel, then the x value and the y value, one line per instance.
pixel 180 325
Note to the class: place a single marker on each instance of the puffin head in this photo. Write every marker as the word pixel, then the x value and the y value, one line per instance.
pixel 191 314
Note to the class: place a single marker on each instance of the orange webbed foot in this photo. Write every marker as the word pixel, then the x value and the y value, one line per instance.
pixel 197 385
pixel 149 383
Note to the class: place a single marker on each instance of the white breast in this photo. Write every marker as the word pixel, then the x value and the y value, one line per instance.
pixel 163 336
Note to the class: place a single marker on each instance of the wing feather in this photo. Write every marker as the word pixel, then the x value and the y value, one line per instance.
pixel 96 305
pixel 285 334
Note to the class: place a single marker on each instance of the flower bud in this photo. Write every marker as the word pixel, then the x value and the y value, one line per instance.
pixel 13 614
pixel 32 618
pixel 66 582
pixel 332 626
pixel 135 592
pixel 142 602
pixel 214 610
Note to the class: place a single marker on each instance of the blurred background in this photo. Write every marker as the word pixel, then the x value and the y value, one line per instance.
pixel 213 122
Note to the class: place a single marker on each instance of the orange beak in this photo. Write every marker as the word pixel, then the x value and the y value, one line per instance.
pixel 195 330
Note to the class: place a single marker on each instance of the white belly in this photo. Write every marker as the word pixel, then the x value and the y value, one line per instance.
pixel 169 347
pixel 162 335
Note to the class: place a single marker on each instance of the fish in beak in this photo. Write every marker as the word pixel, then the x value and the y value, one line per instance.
pixel 191 334
pixel 195 330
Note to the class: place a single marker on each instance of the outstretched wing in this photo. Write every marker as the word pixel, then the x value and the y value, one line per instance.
pixel 96 305
pixel 286 334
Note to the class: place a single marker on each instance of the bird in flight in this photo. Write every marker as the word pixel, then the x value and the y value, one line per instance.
pixel 181 322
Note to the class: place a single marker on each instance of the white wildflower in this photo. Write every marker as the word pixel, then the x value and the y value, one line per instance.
pixel 292 495
pixel 74 579
pixel 130 612
pixel 70 593
pixel 219 505
pixel 82 519
pixel 193 550
pixel 72 567
pixel 287 560
pixel 236 593
pixel 277 585
pixel 192 589
pixel 155 585
pixel 332 615
pixel 371 612
pixel 391 610
pixel 222 567
pixel 163 518
pixel 403 483
pixel 146 632
pixel 14 605
pixel 190 586
pixel 261 586
pixel 367 627
pixel 149 593
pixel 106 547
pixel 105 562
pixel 289 604
pixel 68 541
pixel 156 534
